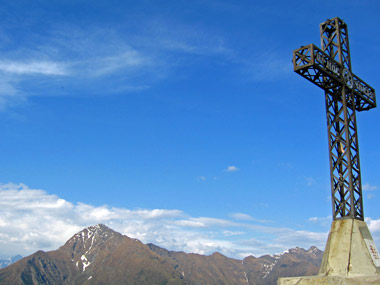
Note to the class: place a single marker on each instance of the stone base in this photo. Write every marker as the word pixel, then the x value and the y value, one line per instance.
pixel 350 257
pixel 350 250
pixel 330 280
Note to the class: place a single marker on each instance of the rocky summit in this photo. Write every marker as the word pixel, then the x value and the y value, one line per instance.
pixel 99 255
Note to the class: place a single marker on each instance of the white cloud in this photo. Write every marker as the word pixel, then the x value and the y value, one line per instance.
pixel 231 233
pixel 246 217
pixel 323 222
pixel 370 190
pixel 373 225
pixel 310 181
pixel 32 219
pixel 201 178
pixel 301 238
pixel 231 168
pixel 374 228
pixel 241 216
pixel 369 187
pixel 319 219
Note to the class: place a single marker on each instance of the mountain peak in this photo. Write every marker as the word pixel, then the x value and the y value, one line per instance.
pixel 90 236
pixel 83 244
pixel 97 229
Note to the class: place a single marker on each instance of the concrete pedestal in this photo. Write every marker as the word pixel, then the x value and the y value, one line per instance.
pixel 350 257
pixel 329 280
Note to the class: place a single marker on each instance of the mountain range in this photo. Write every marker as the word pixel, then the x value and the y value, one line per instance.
pixel 9 261
pixel 99 255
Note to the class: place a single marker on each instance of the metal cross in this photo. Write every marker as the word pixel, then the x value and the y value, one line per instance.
pixel 330 69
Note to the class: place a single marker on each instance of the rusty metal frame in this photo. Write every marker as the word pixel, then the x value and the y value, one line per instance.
pixel 306 64
pixel 345 93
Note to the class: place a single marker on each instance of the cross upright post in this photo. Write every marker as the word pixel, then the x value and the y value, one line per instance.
pixel 345 93
pixel 350 256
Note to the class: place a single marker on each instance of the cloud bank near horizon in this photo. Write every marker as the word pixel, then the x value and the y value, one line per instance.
pixel 32 219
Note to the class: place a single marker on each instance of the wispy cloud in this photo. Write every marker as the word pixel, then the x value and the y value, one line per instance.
pixel 181 38
pixel 113 63
pixel 82 58
pixel 186 46
pixel 285 165
pixel 14 73
pixel 9 94
pixel 67 60
pixel 268 66
pixel 34 67
pixel 32 219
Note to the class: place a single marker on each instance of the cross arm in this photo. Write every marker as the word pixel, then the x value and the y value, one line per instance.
pixel 317 67
pixel 366 97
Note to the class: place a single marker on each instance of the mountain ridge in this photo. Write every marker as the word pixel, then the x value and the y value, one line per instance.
pixel 100 255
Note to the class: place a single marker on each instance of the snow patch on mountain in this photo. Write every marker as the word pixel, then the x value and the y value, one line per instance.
pixel 85 262
pixel 268 268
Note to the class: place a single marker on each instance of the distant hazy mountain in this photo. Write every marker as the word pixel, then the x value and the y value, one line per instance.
pixel 99 255
pixel 9 261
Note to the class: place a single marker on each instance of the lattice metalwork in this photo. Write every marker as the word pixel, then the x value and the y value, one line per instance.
pixel 345 93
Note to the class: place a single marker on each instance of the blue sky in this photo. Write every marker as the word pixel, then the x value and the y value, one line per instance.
pixel 176 122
